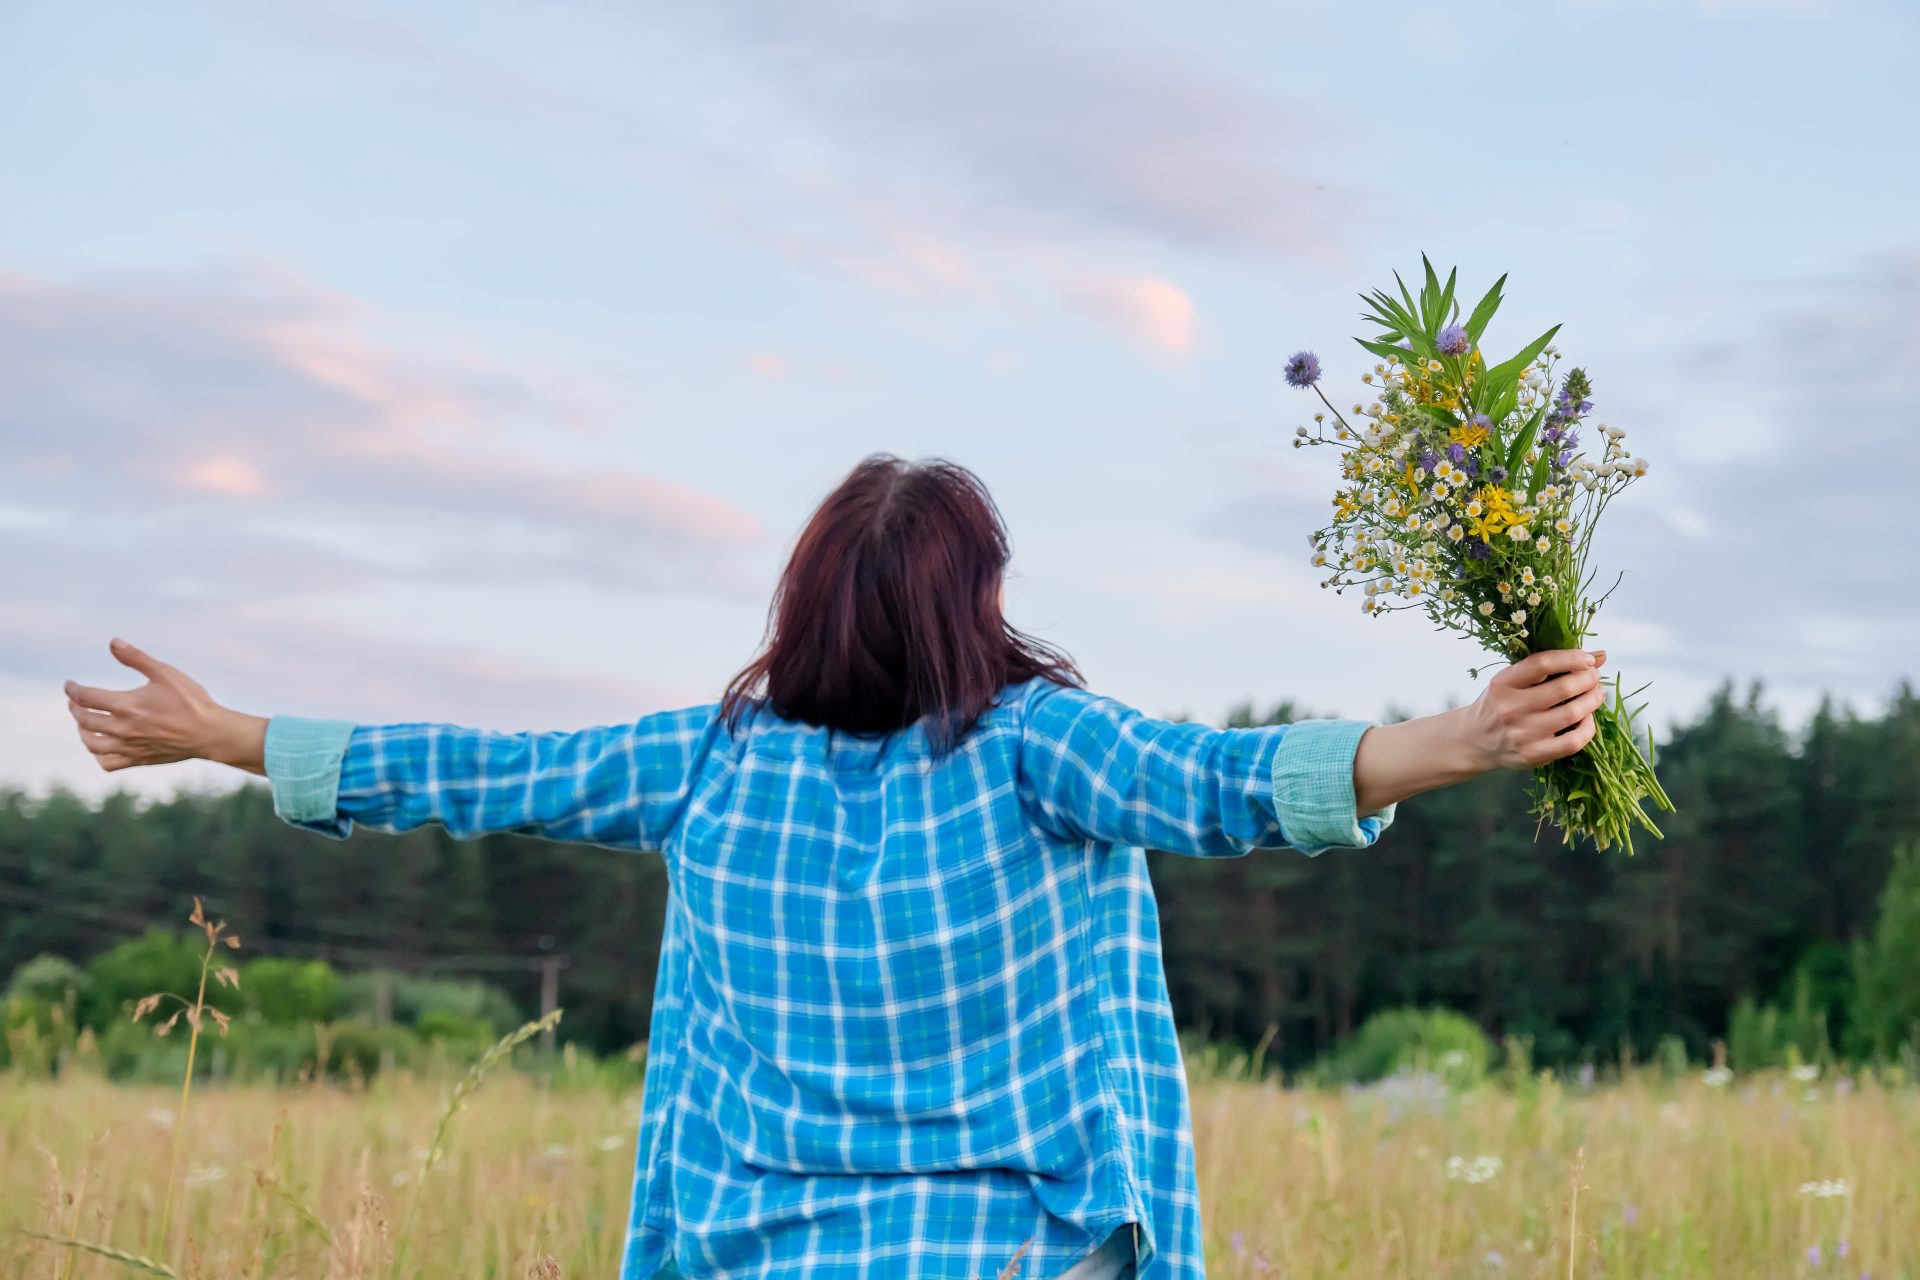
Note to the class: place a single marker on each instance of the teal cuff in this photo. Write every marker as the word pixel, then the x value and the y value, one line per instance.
pixel 1313 787
pixel 303 767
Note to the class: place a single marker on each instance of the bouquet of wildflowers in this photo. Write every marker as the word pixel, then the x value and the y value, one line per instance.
pixel 1467 494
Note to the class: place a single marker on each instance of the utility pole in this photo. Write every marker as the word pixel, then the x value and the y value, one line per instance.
pixel 382 997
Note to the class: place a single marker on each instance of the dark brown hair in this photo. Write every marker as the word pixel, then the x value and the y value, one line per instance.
pixel 889 611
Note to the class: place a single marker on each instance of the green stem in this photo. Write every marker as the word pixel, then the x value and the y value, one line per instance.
pixel 186 1090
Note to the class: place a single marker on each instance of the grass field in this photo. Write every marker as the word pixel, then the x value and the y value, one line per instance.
pixel 1677 1179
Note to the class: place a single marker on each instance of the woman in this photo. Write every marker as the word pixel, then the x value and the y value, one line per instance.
pixel 910 1018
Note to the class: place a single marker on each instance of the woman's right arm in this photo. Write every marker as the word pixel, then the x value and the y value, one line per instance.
pixel 1093 768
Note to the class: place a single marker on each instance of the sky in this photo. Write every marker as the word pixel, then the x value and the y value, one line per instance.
pixel 480 362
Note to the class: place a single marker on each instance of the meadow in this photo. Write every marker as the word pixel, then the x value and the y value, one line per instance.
pixel 1770 1175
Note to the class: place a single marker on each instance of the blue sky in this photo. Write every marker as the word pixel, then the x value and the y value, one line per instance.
pixel 480 362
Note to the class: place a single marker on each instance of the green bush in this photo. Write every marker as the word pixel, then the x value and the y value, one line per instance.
pixel 414 998
pixel 442 1024
pixel 48 979
pixel 290 991
pixel 362 1050
pixel 1441 1041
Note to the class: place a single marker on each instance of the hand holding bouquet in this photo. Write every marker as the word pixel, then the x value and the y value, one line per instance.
pixel 1467 495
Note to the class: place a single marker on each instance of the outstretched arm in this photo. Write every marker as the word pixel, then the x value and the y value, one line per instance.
pixel 617 784
pixel 1093 768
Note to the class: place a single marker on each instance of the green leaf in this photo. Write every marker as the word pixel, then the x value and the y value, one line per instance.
pixel 1388 313
pixel 1385 350
pixel 1412 310
pixel 1429 296
pixel 1497 381
pixel 1483 313
pixel 1446 294
pixel 1524 441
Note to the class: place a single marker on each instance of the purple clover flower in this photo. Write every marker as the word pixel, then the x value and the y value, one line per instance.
pixel 1471 466
pixel 1482 420
pixel 1303 369
pixel 1458 452
pixel 1453 340
pixel 1498 475
pixel 1429 460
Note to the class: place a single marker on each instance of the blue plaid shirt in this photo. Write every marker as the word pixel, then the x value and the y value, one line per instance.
pixel 911 1015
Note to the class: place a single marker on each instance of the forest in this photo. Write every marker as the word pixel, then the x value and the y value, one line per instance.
pixel 1775 918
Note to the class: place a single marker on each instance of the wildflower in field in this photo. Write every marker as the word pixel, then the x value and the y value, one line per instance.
pixel 1716 1077
pixel 205 1175
pixel 1806 1072
pixel 1495 1259
pixel 1475 1171
pixel 1303 370
pixel 1826 1189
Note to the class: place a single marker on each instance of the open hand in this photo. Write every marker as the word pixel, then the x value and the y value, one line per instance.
pixel 1539 709
pixel 168 719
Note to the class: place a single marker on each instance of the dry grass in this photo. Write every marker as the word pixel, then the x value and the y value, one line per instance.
pixel 1682 1180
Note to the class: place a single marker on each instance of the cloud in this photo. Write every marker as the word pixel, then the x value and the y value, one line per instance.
pixel 1048 121
pixel 766 364
pixel 1008 154
pixel 1151 312
pixel 213 413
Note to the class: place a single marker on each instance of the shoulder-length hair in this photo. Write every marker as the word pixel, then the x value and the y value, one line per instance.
pixel 889 610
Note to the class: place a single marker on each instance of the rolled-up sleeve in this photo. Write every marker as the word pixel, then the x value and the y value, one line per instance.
pixel 303 759
pixel 1313 793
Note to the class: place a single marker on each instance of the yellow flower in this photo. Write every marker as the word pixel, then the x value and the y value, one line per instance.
pixel 1345 505
pixel 1471 436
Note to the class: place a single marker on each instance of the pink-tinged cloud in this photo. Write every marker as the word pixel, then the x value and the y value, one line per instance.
pixel 766 364
pixel 255 382
pixel 1149 311
pixel 224 475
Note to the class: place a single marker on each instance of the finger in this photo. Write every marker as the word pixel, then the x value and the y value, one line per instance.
pixel 1575 740
pixel 139 659
pixel 1557 720
pixel 1536 667
pixel 113 764
pixel 102 743
pixel 100 699
pixel 99 721
pixel 1551 693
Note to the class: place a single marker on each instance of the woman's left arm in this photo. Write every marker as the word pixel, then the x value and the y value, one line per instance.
pixel 620 785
